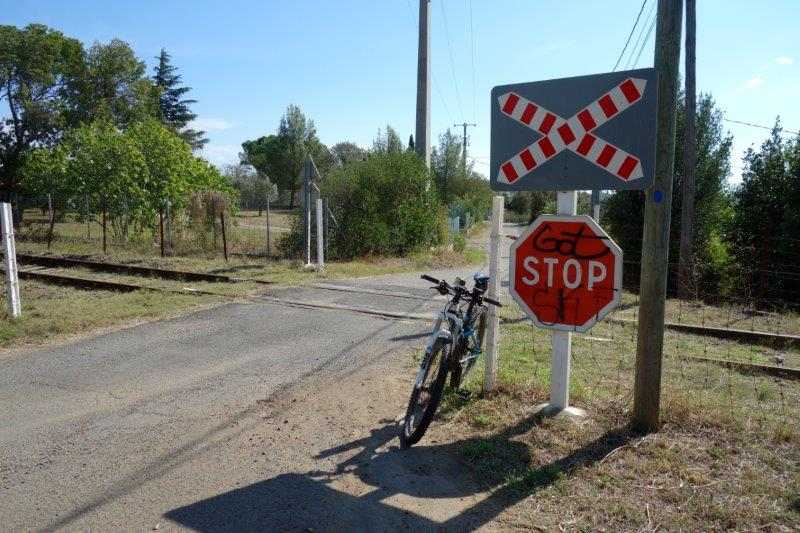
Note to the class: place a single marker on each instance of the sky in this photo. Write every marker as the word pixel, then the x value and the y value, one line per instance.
pixel 351 64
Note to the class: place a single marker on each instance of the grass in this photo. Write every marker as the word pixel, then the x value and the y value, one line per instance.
pixel 51 312
pixel 727 456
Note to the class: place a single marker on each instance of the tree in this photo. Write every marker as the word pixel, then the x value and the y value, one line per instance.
pixel 411 143
pixel 169 162
pixel 347 152
pixel 111 86
pixel 173 109
pixel 446 165
pixel 281 156
pixel 36 65
pixel 624 210
pixel 388 143
pixel 108 172
pixel 766 221
pixel 253 187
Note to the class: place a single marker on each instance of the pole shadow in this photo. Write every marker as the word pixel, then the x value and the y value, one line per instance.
pixel 295 502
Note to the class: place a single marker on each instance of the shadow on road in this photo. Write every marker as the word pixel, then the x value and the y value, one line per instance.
pixel 311 501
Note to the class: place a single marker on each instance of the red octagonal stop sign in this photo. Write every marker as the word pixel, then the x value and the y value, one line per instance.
pixel 565 272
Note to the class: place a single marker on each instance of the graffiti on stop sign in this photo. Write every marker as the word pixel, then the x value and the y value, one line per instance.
pixel 566 273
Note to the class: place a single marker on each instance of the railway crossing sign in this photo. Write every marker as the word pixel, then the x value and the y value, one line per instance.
pixel 565 272
pixel 587 132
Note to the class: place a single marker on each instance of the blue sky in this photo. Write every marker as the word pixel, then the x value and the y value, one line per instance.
pixel 351 64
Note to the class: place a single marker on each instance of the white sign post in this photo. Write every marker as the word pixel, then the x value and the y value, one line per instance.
pixel 567 204
pixel 10 253
pixel 492 316
pixel 320 242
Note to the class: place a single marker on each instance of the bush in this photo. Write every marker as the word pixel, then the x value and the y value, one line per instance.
pixel 384 206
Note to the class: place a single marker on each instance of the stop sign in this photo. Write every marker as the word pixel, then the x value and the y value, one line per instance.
pixel 565 272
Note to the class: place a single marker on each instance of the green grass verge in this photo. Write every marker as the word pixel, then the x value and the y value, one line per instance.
pixel 726 458
pixel 50 312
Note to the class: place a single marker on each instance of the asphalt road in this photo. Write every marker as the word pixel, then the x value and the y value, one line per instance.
pixel 112 431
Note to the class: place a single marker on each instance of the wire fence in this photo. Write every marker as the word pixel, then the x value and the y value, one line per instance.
pixel 206 227
pixel 753 380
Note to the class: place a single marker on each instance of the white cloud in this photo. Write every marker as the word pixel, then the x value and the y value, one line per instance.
pixel 784 60
pixel 754 82
pixel 221 154
pixel 210 124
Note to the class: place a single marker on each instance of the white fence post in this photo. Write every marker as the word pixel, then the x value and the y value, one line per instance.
pixel 493 315
pixel 10 253
pixel 320 238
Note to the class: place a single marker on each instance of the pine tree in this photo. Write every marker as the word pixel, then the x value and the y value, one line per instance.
pixel 174 111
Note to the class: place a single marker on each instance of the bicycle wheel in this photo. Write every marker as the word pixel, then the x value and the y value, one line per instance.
pixel 425 399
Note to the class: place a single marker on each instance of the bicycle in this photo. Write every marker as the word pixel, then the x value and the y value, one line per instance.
pixel 453 347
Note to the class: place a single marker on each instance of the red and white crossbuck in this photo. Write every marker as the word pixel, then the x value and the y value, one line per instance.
pixel 573 134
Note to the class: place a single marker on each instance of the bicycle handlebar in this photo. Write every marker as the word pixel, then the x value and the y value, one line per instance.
pixel 491 301
pixel 444 285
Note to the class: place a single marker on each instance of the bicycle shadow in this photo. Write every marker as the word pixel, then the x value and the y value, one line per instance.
pixel 428 478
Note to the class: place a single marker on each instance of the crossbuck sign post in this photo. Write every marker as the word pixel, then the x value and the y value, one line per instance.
pixel 583 133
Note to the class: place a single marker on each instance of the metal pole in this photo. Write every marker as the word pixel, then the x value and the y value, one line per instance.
pixel 567 204
pixel 320 238
pixel 493 317
pixel 596 205
pixel 658 204
pixel 422 138
pixel 10 253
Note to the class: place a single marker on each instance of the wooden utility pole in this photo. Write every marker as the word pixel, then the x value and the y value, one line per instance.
pixel 686 256
pixel 655 245
pixel 422 138
pixel 464 145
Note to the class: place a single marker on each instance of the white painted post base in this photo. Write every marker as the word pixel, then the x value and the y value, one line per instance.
pixel 567 204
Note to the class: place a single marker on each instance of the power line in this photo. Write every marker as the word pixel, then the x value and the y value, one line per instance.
pixel 645 41
pixel 474 76
pixel 743 123
pixel 642 29
pixel 452 62
pixel 627 42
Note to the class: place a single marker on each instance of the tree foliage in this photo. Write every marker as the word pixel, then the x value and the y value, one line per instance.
pixel 36 66
pixel 253 187
pixel 462 189
pixel 346 152
pixel 384 206
pixel 173 109
pixel 281 156
pixel 110 85
pixel 623 211
pixel 765 227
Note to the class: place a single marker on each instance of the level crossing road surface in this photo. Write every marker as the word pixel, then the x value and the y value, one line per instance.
pixel 129 429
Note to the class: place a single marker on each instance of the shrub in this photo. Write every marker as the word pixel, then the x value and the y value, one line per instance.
pixel 384 206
